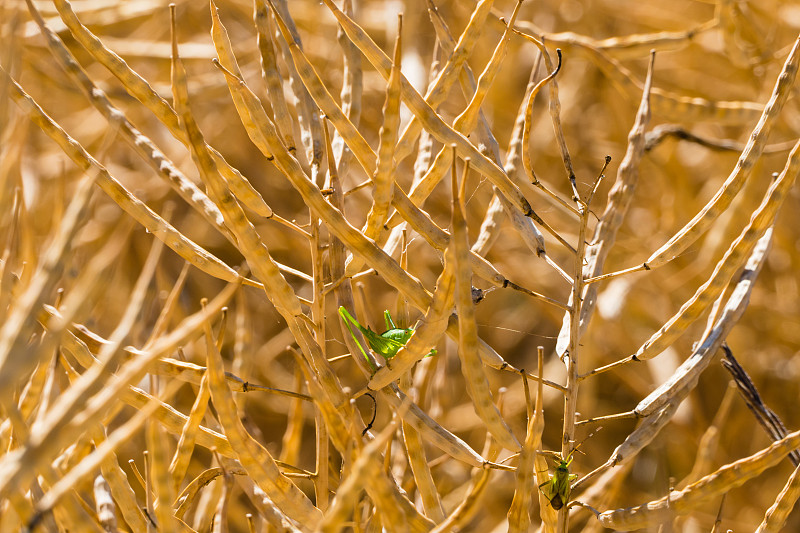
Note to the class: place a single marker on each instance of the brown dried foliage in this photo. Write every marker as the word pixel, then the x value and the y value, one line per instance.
pixel 210 384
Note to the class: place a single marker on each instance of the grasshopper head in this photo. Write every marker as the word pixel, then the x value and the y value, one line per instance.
pixel 563 466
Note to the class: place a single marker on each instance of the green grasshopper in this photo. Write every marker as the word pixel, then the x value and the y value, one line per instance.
pixel 557 489
pixel 388 343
